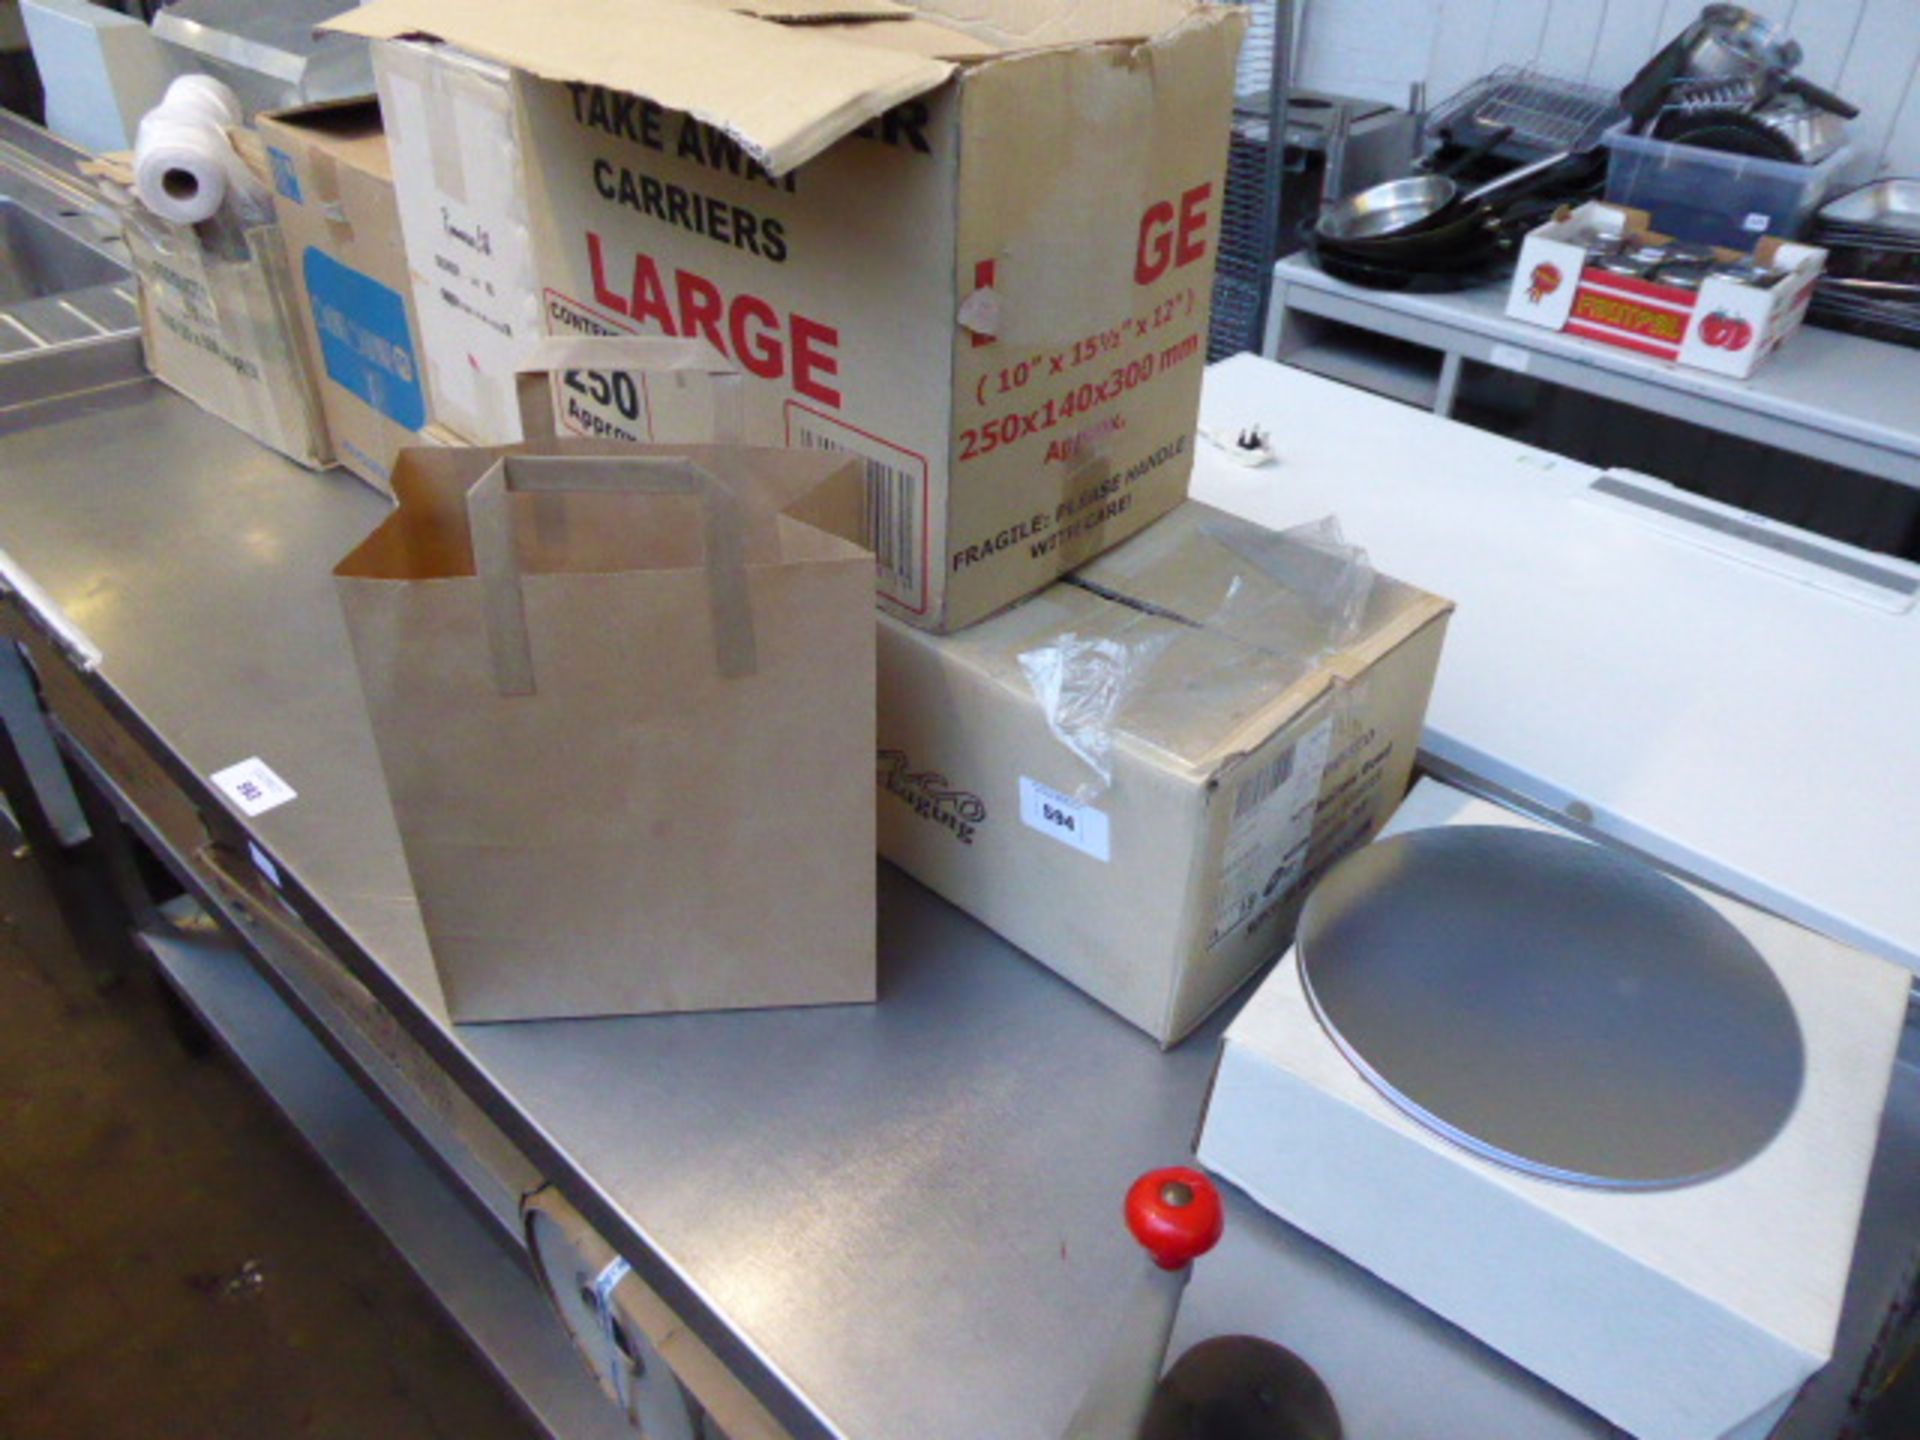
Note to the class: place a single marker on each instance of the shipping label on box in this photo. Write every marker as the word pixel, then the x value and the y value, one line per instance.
pixel 365 339
pixel 456 164
pixel 982 267
pixel 1234 773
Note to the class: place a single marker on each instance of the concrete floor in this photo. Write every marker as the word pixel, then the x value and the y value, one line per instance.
pixel 172 1260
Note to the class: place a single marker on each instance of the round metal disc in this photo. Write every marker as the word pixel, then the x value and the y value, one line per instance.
pixel 1552 1006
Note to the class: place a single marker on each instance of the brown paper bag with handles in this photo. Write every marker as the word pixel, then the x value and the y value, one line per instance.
pixel 624 701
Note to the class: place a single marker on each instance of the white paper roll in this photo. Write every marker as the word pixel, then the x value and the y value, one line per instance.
pixel 184 168
pixel 204 97
pixel 180 169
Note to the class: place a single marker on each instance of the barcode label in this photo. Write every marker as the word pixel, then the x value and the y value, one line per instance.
pixel 1271 833
pixel 1255 790
pixel 896 500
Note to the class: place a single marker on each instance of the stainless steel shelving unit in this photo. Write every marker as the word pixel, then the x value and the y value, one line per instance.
pixel 1828 396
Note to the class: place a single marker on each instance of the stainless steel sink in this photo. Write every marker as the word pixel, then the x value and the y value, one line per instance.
pixel 38 259
pixel 69 305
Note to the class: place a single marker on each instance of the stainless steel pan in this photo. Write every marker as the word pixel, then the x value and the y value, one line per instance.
pixel 1394 207
pixel 1402 207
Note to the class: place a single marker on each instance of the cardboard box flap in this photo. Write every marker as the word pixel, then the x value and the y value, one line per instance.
pixel 818 12
pixel 1116 669
pixel 344 132
pixel 921 37
pixel 1215 632
pixel 1027 25
pixel 1302 593
pixel 1307 608
pixel 1147 679
pixel 786 78
pixel 785 91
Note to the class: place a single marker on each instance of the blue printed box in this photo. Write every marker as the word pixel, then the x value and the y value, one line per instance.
pixel 333 185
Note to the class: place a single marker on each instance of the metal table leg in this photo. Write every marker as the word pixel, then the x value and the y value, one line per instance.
pixel 1449 388
pixel 89 900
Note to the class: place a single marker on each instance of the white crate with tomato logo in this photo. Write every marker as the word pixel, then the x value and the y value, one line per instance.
pixel 1727 319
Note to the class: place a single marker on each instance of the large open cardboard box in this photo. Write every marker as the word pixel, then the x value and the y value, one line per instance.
pixel 972 245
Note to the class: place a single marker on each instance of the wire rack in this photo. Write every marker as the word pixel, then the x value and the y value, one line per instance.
pixel 1546 113
pixel 1249 212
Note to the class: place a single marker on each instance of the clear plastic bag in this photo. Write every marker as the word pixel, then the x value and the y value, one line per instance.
pixel 1251 611
pixel 1083 683
pixel 1304 592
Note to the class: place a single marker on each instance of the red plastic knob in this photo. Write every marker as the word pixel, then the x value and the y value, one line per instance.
pixel 1176 1214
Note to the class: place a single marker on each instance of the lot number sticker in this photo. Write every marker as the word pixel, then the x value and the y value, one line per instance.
pixel 1045 809
pixel 253 786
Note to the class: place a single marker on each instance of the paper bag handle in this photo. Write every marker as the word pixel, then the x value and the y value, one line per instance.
pixel 551 355
pixel 498 568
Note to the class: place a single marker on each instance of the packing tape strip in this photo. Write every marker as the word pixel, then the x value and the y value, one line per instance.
pixel 323 172
pixel 443 137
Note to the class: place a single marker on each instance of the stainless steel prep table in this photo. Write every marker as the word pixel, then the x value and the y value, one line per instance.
pixel 890 1221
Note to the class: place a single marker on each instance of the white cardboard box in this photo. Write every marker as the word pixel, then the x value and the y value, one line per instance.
pixel 1240 766
pixel 1687 1314
pixel 973 247
pixel 1724 326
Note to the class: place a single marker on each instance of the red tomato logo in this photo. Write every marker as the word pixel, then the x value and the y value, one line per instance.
pixel 1543 282
pixel 1726 332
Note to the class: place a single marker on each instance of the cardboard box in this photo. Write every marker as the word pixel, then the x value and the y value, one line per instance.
pixel 1240 763
pixel 456 156
pixel 333 195
pixel 1682 1314
pixel 217 317
pixel 1724 326
pixel 976 253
